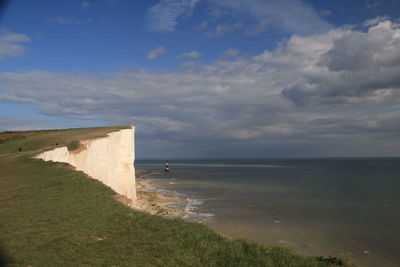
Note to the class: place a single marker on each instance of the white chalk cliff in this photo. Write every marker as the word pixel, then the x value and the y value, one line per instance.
pixel 107 159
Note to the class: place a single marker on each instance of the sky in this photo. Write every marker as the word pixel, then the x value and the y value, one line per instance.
pixel 208 78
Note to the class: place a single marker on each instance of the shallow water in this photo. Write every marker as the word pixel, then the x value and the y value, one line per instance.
pixel 347 207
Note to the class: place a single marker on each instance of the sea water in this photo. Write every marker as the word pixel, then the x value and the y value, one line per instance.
pixel 331 207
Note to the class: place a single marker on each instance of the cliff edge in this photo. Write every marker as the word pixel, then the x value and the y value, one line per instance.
pixel 108 159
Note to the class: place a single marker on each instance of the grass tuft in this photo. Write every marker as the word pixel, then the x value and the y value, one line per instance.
pixel 73 145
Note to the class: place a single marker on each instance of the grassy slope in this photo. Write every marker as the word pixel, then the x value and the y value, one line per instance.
pixel 52 216
pixel 39 140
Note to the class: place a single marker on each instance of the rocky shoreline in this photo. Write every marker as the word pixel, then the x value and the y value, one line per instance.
pixel 149 200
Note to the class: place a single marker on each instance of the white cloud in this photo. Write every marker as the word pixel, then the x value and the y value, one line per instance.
pixel 163 17
pixel 12 44
pixel 375 21
pixel 255 17
pixel 221 29
pixel 193 54
pixel 295 16
pixel 260 27
pixel 155 53
pixel 202 26
pixel 188 64
pixel 308 93
pixel 231 52
pixel 348 66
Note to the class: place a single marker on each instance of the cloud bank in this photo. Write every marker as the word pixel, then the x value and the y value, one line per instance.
pixel 356 66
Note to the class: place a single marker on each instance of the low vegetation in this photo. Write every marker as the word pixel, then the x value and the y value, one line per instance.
pixel 51 215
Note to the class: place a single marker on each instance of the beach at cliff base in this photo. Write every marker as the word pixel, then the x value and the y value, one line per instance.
pixel 157 200
pixel 150 200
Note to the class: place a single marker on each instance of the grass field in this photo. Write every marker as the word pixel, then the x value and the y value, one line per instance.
pixel 51 215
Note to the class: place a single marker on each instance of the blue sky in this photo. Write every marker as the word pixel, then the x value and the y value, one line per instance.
pixel 208 78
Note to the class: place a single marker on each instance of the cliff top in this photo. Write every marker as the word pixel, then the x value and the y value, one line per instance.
pixel 26 141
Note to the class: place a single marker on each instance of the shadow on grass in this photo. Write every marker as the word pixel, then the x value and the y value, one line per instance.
pixel 5 259
pixel 331 260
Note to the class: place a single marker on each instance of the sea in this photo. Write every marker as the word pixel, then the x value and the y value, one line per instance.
pixel 346 207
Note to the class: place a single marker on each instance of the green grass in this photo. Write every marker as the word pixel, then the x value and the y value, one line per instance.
pixel 51 215
pixel 73 145
pixel 39 140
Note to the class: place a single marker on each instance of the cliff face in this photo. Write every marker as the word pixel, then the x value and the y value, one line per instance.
pixel 108 159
